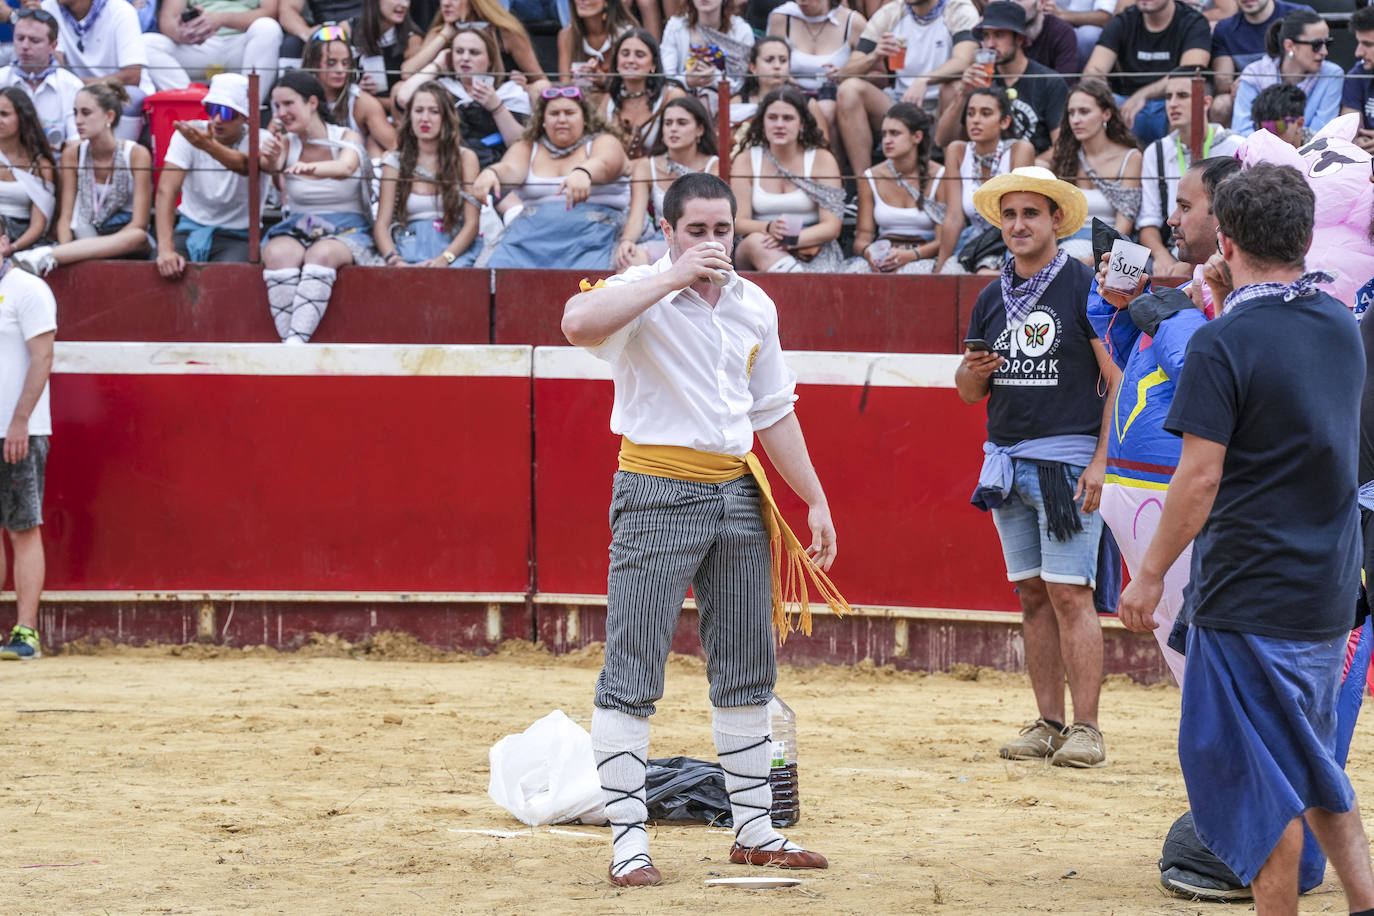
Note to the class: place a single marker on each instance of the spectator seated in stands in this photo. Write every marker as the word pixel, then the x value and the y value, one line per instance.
pixel 569 169
pixel 584 43
pixel 638 91
pixel 207 167
pixel 426 215
pixel 1153 36
pixel 706 43
pixel 1166 160
pixel 327 187
pixel 770 62
pixel 492 110
pixel 1280 109
pixel 28 174
pixel 512 41
pixel 199 38
pixel 1050 41
pixel 291 14
pixel 822 36
pixel 1357 93
pixel 36 71
pixel 1097 153
pixel 1087 17
pixel 686 143
pixel 785 180
pixel 1296 49
pixel 99 40
pixel 1238 41
pixel 1037 93
pixel 909 52
pixel 329 56
pixel 106 188
pixel 902 202
pixel 385 37
pixel 989 151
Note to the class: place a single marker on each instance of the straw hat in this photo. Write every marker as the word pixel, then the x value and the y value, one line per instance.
pixel 1033 178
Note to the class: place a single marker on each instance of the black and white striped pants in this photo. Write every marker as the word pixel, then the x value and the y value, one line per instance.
pixel 667 534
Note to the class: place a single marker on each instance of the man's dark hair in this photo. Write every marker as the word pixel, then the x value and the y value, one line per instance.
pixel 1208 87
pixel 1362 20
pixel 1277 103
pixel 1214 171
pixel 1267 211
pixel 691 187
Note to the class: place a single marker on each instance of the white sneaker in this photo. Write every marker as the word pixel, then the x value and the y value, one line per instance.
pixel 37 261
pixel 294 341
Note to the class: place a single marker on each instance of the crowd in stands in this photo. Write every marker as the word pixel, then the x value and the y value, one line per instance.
pixel 538 133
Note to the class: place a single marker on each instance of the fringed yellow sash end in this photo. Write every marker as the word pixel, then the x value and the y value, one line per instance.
pixel 792 566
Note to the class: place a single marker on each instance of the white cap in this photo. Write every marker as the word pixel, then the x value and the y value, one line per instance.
pixel 229 89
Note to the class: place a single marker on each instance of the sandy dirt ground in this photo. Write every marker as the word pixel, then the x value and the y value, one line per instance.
pixel 353 780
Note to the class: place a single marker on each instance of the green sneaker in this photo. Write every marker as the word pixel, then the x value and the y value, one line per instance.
pixel 1038 740
pixel 1083 747
pixel 23 646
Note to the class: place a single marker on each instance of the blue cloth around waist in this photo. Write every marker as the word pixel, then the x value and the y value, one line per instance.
pixel 995 477
pixel 1259 739
pixel 200 237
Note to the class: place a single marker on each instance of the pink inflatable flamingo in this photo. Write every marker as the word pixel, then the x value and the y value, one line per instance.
pixel 1339 173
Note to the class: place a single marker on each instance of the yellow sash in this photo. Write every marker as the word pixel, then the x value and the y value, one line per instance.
pixel 681 463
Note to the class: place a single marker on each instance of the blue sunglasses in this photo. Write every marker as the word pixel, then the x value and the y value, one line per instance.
pixel 223 112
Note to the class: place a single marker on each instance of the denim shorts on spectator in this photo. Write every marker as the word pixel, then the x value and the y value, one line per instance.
pixel 1027 546
pixel 21 487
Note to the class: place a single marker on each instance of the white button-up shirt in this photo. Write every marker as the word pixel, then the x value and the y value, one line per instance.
pixel 53 100
pixel 691 375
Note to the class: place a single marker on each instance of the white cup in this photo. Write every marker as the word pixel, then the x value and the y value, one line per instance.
pixel 880 251
pixel 792 224
pixel 486 79
pixel 720 277
pixel 1126 269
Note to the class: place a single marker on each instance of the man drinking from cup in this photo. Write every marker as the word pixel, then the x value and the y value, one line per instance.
pixel 1046 451
pixel 698 372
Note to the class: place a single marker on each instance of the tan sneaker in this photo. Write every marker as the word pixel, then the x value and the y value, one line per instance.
pixel 1083 747
pixel 1038 740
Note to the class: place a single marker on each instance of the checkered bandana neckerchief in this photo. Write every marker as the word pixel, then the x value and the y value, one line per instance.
pixel 1305 285
pixel 1020 300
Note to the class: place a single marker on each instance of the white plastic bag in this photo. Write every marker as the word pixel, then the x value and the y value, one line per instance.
pixel 547 774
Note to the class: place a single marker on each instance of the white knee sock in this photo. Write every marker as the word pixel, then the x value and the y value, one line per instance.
pixel 746 755
pixel 621 745
pixel 312 298
pixel 281 292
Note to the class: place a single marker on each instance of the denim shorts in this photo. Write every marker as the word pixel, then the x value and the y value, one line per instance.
pixel 21 487
pixel 1027 546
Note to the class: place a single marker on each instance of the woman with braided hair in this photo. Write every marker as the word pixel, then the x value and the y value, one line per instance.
pixel 784 175
pixel 425 217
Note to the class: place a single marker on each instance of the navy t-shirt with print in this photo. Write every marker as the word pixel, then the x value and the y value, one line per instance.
pixel 1037 104
pixel 1278 383
pixel 1048 385
pixel 1138 50
pixel 1242 40
pixel 1357 92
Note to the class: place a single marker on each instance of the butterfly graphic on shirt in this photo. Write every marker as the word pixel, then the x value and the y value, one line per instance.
pixel 1035 334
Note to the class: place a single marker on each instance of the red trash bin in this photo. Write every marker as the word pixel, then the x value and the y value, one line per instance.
pixel 165 108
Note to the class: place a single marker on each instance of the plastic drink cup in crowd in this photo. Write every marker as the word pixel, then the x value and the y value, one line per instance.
pixel 581 73
pixel 987 59
pixel 880 251
pixel 486 79
pixel 373 63
pixel 791 228
pixel 1126 275
pixel 897 60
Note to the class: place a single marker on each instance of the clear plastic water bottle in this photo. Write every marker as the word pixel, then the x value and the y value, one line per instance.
pixel 783 775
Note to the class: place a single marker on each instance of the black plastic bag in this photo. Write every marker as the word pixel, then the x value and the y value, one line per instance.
pixel 687 790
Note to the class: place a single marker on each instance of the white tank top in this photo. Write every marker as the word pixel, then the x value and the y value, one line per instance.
pixel 767 204
pixel 808 70
pixel 615 193
pixel 972 181
pixel 323 195
pixel 14 201
pixel 655 192
pixel 904 222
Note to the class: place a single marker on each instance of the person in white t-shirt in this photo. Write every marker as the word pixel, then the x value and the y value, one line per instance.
pixel 235 35
pixel 28 325
pixel 909 52
pixel 207 165
pixel 36 71
pixel 100 39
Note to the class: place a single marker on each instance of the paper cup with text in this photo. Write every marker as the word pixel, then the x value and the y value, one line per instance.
pixel 1126 275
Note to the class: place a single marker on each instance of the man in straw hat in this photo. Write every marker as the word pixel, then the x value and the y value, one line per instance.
pixel 698 371
pixel 1035 357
